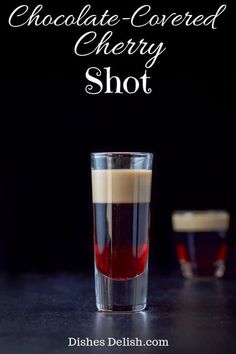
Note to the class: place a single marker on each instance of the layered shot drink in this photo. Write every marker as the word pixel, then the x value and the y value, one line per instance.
pixel 201 245
pixel 121 189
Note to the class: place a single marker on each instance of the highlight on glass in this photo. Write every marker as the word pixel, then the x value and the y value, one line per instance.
pixel 201 242
pixel 121 192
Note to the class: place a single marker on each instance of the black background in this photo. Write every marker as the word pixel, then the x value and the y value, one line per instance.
pixel 49 126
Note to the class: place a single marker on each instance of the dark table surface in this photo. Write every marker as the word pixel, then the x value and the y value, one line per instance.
pixel 39 312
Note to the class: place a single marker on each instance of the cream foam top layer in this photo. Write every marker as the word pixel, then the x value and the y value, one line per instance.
pixel 200 221
pixel 121 186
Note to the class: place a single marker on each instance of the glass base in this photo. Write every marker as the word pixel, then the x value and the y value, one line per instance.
pixel 189 272
pixel 121 295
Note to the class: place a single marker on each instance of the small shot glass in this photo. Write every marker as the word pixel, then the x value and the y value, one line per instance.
pixel 201 242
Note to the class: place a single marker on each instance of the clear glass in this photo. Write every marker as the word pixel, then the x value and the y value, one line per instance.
pixel 200 238
pixel 121 190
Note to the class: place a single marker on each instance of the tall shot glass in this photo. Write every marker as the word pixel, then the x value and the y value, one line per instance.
pixel 121 191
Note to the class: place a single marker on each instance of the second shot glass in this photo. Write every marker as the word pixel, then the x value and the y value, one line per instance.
pixel 201 245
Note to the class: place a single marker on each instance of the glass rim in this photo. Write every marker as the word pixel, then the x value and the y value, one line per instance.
pixel 200 211
pixel 121 154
